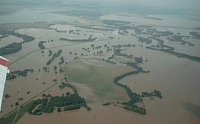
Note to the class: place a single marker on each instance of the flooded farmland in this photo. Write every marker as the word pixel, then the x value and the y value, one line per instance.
pixel 117 68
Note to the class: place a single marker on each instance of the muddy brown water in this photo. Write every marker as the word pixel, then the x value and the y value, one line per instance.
pixel 176 78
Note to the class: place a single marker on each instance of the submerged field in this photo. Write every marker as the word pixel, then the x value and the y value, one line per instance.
pixel 98 76
pixel 169 54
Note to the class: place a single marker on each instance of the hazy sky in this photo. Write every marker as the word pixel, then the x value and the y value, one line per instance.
pixel 187 4
pixel 175 4
pixel 168 3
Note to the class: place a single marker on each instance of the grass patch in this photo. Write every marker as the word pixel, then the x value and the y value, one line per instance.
pixel 98 75
pixel 10 118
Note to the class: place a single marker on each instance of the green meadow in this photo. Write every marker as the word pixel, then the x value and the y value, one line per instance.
pixel 98 75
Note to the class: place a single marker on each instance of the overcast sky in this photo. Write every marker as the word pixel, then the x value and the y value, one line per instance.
pixel 179 4
pixel 187 4
pixel 167 3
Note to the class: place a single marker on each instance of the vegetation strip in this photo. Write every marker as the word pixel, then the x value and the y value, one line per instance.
pixel 28 101
pixel 130 105
pixel 47 104
pixel 170 50
pixel 50 48
pixel 9 119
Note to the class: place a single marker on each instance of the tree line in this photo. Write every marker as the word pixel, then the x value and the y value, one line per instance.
pixel 69 101
pixel 40 44
pixel 171 51
pixel 79 40
pixel 54 56
pixel 11 48
pixel 14 74
pixel 14 47
pixel 134 97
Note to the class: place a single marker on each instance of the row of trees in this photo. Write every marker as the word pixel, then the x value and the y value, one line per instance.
pixel 40 44
pixel 177 38
pixel 14 74
pixel 160 41
pixel 11 48
pixel 47 104
pixel 25 37
pixel 109 61
pixel 106 104
pixel 146 40
pixel 61 60
pixel 79 40
pixel 72 99
pixel 134 65
pixel 125 45
pixel 63 85
pixel 169 49
pixel 134 97
pixel 61 71
pixel 111 57
pixel 54 56
pixel 50 52
pixel 14 47
pixel 117 52
pixel 155 93
pixel 136 109
pixel 72 107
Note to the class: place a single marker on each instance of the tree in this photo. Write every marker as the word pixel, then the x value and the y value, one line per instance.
pixel 59 109
pixel 44 95
pixel 67 93
pixel 88 108
pixel 16 103
pixel 55 67
pixel 7 95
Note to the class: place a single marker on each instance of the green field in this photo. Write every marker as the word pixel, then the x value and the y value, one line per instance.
pixel 9 119
pixel 98 75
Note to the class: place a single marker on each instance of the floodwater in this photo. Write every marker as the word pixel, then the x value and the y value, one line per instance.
pixel 9 40
pixel 36 61
pixel 178 81
pixel 176 78
pixel 168 21
pixel 36 15
pixel 99 114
